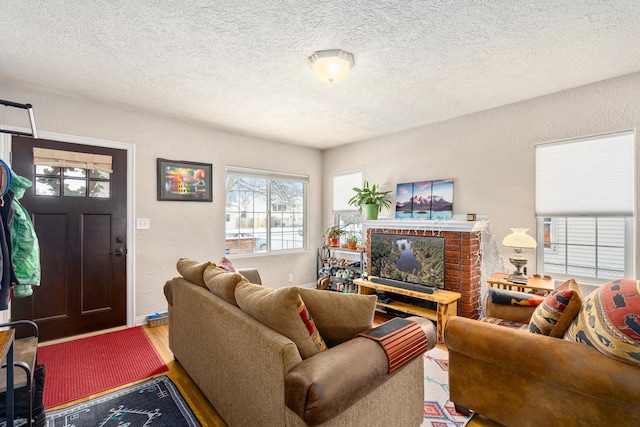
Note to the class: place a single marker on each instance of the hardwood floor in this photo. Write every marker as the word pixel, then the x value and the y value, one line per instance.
pixel 205 412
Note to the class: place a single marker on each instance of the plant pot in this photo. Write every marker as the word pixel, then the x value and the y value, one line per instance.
pixel 334 241
pixel 370 211
pixel 353 245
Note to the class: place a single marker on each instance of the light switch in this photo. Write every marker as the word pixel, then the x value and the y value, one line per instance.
pixel 143 223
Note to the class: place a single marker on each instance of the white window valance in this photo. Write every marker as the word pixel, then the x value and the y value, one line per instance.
pixel 71 159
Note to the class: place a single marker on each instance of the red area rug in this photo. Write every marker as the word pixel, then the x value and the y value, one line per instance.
pixel 85 366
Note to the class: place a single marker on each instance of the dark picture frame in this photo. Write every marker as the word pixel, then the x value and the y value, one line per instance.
pixel 184 181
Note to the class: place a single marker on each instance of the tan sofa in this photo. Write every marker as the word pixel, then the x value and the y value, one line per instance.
pixel 522 379
pixel 255 376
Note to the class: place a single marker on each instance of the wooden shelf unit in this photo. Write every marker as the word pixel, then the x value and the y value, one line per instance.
pixel 446 303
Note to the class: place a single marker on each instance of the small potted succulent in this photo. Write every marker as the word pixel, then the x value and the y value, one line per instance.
pixel 370 200
pixel 352 241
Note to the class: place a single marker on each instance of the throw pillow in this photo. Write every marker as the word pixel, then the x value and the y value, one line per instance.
pixel 610 321
pixel 306 318
pixel 277 309
pixel 506 297
pixel 226 264
pixel 192 270
pixel 338 316
pixel 223 283
pixel 557 311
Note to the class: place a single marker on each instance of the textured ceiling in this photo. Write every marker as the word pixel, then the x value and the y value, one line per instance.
pixel 241 65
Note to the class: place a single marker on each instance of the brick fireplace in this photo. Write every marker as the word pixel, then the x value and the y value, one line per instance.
pixel 463 256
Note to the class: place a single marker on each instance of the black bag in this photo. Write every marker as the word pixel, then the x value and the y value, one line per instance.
pixel 21 400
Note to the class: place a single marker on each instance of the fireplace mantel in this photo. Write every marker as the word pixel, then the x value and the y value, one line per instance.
pixel 429 225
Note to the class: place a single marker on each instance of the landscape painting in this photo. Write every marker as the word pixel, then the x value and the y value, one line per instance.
pixel 425 199
pixel 404 194
pixel 442 199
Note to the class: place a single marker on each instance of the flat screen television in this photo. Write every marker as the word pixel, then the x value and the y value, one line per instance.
pixel 410 259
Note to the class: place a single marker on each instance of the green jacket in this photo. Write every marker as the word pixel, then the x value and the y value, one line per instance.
pixel 26 250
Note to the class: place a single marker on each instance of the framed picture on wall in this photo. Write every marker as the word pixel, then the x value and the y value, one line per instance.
pixel 183 181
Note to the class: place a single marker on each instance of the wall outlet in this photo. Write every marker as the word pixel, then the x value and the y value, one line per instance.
pixel 290 278
pixel 143 223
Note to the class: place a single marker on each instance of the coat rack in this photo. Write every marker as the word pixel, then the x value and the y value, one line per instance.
pixel 32 120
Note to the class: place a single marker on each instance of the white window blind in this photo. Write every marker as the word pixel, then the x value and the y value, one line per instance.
pixel 586 177
pixel 71 159
pixel 343 190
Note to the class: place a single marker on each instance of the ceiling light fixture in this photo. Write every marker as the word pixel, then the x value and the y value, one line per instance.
pixel 331 65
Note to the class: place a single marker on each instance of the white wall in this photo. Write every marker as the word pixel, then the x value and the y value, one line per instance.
pixel 490 154
pixel 178 229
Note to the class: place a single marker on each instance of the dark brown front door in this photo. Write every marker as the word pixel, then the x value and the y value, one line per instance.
pixel 80 220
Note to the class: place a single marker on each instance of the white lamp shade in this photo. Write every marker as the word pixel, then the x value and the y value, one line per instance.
pixel 519 239
pixel 331 65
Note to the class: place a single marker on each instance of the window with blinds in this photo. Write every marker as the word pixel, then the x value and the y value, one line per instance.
pixel 584 207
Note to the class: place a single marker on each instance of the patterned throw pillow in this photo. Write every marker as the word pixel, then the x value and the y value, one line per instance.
pixel 506 297
pixel 558 310
pixel 310 325
pixel 610 321
pixel 226 264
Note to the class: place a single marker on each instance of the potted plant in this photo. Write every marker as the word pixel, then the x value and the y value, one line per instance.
pixel 332 234
pixel 370 200
pixel 352 241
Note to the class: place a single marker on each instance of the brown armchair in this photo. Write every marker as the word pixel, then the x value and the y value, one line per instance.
pixel 518 378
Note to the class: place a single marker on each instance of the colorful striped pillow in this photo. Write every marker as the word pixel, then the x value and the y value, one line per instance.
pixel 314 334
pixel 610 321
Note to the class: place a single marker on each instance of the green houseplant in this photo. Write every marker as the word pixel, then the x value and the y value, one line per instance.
pixel 332 234
pixel 370 200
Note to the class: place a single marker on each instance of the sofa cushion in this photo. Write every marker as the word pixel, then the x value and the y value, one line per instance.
pixel 557 311
pixel 223 283
pixel 610 321
pixel 338 316
pixel 192 270
pixel 278 309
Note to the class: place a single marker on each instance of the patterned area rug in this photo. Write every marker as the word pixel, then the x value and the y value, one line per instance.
pixel 153 403
pixel 438 410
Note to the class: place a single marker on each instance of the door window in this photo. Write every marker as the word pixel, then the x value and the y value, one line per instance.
pixel 71 182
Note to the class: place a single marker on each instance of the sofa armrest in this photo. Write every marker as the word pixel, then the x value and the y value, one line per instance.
pixel 326 384
pixel 252 275
pixel 168 294
pixel 513 313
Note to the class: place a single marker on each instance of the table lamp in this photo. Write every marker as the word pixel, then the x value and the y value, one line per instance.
pixel 519 241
